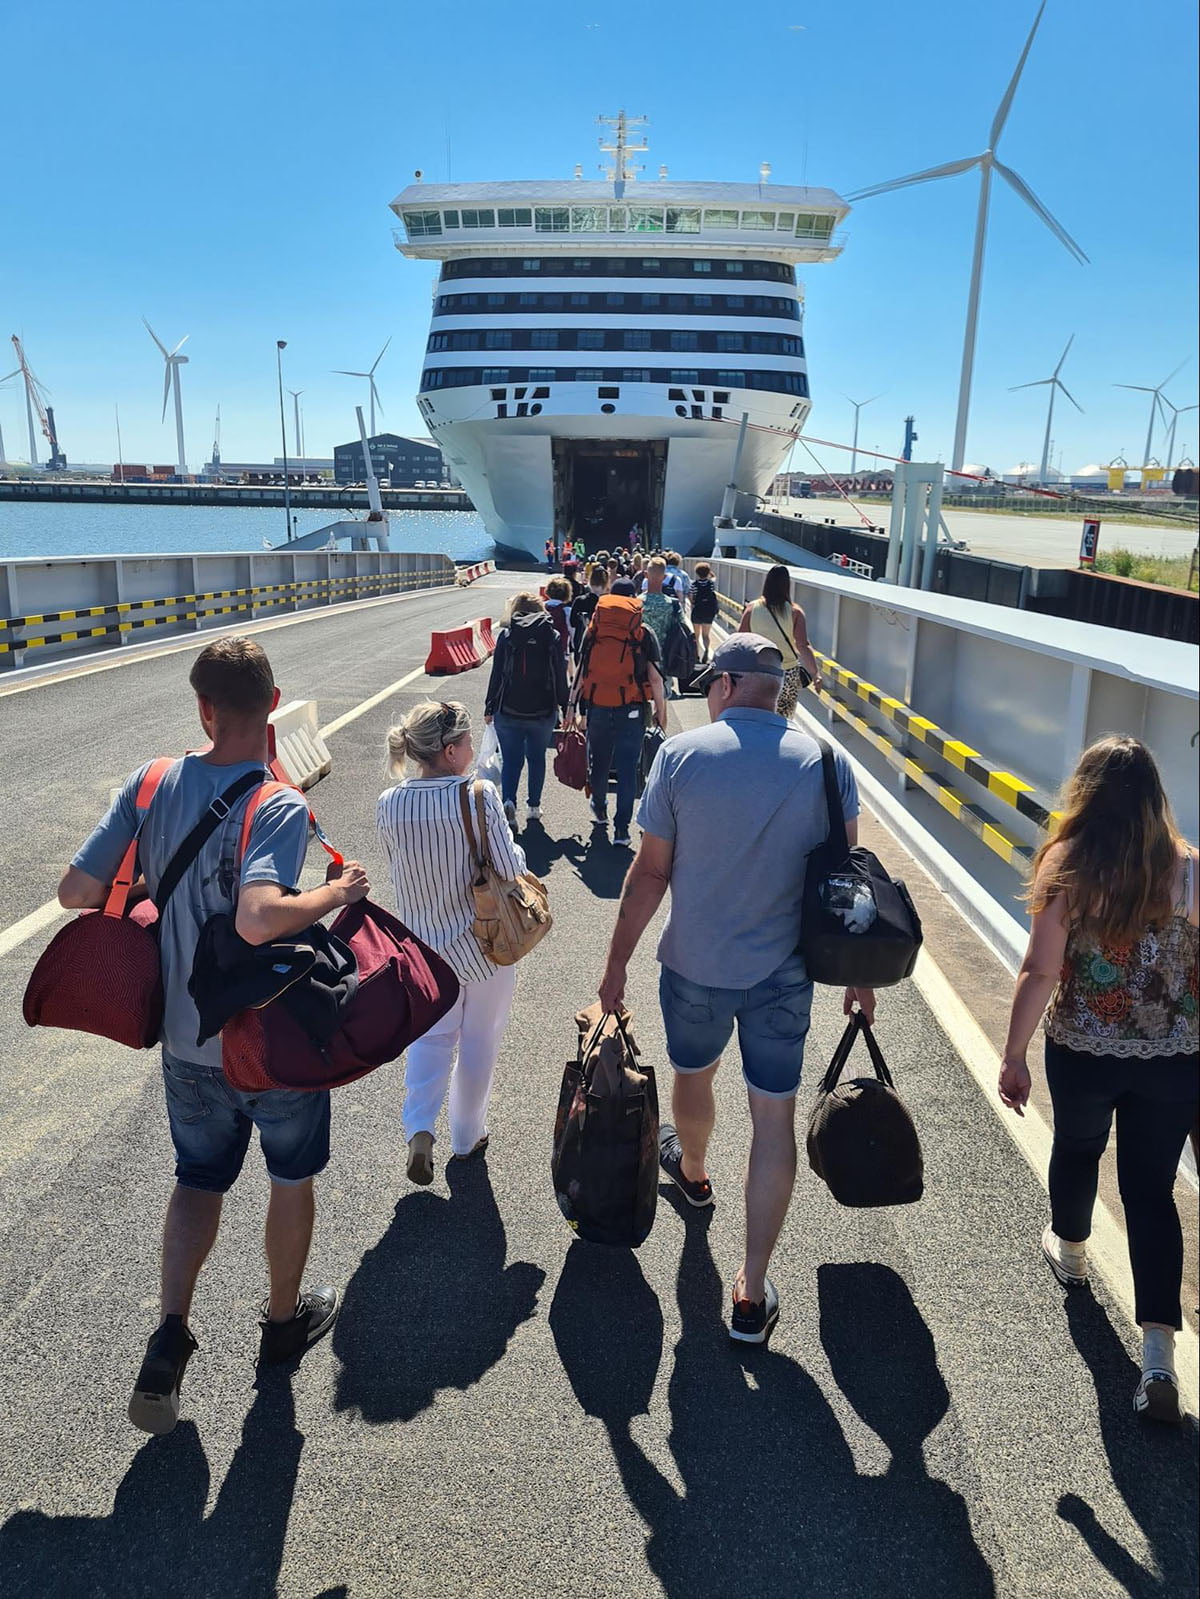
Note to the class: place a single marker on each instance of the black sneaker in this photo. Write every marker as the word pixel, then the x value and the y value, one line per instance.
pixel 315 1315
pixel 154 1405
pixel 754 1324
pixel 670 1158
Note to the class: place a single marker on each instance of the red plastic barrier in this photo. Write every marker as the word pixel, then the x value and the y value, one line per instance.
pixel 451 651
pixel 486 634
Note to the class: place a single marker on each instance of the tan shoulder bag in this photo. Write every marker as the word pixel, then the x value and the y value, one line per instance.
pixel 511 915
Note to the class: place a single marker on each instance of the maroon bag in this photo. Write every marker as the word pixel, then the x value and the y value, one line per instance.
pixel 101 973
pixel 404 987
pixel 570 757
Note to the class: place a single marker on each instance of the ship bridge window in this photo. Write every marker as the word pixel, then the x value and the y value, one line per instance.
pixel 495 374
pixel 685 341
pixel 683 219
pixel 645 219
pixel 542 374
pixel 543 339
pixel 731 343
pixel 614 299
pixel 551 218
pixel 589 374
pixel 813 225
pixel 423 224
pixel 650 266
pixel 735 380
pixel 682 376
pixel 650 302
pixel 635 340
pixel 702 299
pixel 495 299
pixel 515 217
pixel 735 266
pixel 635 374
pixel 449 219
pixel 552 302
pixel 527 265
pixel 479 219
pixel 529 299
pixel 497 339
pixel 760 221
pixel 618 218
pixel 735 302
pixel 701 266
pixel 579 299
pixel 784 223
pixel 581 266
pixel 590 339
pixel 589 218
pixel 720 219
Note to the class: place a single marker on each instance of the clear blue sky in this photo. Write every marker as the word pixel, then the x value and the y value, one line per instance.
pixel 225 170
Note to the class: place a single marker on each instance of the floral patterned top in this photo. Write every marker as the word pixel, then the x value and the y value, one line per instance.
pixel 1133 1000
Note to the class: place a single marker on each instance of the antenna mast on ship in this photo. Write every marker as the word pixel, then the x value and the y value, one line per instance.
pixel 621 170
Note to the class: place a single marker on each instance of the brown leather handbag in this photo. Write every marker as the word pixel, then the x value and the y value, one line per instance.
pixel 511 915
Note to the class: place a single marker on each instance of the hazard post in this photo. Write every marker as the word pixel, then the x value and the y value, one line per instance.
pixel 1088 544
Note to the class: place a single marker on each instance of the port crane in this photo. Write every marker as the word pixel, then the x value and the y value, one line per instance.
pixel 34 401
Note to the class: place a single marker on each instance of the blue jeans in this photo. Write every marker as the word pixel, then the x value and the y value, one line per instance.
pixel 614 734
pixel 772 1022
pixel 524 740
pixel 211 1125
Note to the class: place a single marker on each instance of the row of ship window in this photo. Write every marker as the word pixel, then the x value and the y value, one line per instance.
pixel 584 300
pixel 617 339
pixel 458 377
pixel 810 225
pixel 617 266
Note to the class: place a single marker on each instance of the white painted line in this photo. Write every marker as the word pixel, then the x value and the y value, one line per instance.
pixel 12 937
pixel 369 705
pixel 1108 1251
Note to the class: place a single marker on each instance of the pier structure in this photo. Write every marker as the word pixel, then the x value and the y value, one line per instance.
pixel 502 1409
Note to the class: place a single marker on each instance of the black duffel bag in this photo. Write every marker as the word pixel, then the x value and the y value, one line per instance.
pixel 861 1138
pixel 858 926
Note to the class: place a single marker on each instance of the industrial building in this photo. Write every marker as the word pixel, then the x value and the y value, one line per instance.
pixel 401 461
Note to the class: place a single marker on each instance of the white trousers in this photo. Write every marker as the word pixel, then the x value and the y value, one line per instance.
pixel 474 1026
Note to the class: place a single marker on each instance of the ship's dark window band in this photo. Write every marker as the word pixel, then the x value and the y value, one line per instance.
pixel 607 304
pixel 619 266
pixel 459 377
pixel 679 341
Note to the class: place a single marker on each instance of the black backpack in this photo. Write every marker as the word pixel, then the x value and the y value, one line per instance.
pixel 605 1158
pixel 529 671
pixel 861 1138
pixel 858 926
pixel 679 649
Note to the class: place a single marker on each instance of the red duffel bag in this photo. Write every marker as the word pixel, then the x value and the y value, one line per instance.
pixel 101 973
pixel 570 757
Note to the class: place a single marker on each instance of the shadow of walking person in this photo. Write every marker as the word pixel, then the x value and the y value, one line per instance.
pixel 883 1359
pixel 608 1330
pixel 1153 1468
pixel 438 1274
pixel 157 1541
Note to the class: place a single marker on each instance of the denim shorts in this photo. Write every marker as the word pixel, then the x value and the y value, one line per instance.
pixel 211 1125
pixel 772 1022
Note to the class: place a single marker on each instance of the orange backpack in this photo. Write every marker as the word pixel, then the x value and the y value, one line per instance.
pixel 613 668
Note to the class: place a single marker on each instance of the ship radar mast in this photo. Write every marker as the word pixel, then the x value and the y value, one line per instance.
pixel 621 170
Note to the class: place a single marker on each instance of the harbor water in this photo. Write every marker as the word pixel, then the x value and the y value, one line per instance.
pixel 62 529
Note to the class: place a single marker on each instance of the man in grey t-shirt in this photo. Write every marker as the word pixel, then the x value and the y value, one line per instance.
pixel 730 815
pixel 211 1124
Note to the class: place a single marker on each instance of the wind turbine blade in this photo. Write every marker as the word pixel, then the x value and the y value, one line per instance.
pixel 947 170
pixel 1005 105
pixel 342 373
pixel 1031 200
pixel 1176 372
pixel 155 337
pixel 1140 388
pixel 1063 356
pixel 1036 384
pixel 11 375
pixel 375 397
pixel 1179 410
pixel 1069 395
pixel 181 344
pixel 379 357
pixel 166 389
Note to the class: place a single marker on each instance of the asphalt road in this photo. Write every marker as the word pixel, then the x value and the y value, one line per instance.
pixel 501 1410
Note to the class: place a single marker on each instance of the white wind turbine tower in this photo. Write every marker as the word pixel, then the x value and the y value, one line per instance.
pixel 987 163
pixel 1155 398
pixel 1168 454
pixel 3 381
pixel 1054 382
pixel 173 361
pixel 370 377
pixel 295 394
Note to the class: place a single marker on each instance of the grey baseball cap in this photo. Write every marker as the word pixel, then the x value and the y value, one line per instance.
pixel 743 652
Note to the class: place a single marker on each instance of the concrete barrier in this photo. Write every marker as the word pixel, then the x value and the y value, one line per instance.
pixel 298 745
pixel 451 651
pixel 468 574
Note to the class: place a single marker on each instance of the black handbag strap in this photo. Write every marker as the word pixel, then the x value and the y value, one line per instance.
pixel 857 1024
pixel 837 844
pixel 620 1018
pixel 201 833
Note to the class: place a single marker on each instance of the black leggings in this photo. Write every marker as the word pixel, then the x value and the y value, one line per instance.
pixel 1155 1104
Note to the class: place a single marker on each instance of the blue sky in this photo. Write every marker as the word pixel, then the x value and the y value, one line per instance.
pixel 225 170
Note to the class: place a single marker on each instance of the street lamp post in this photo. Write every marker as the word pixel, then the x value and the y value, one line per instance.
pixel 280 347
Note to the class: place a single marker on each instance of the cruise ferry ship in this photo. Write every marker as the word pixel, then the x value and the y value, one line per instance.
pixel 595 345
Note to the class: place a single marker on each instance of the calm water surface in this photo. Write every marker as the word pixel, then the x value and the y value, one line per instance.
pixel 156 530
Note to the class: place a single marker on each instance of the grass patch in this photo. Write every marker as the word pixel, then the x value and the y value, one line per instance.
pixel 1169 570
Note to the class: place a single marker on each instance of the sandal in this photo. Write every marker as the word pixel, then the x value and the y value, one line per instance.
pixel 420 1159
pixel 670 1158
pixel 478 1149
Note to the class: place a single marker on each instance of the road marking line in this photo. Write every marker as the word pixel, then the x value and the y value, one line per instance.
pixel 12 937
pixel 369 705
pixel 1108 1251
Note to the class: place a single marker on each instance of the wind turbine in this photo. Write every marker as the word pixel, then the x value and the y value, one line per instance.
pixel 295 394
pixel 16 373
pixel 1054 382
pixel 1176 412
pixel 988 163
pixel 1155 398
pixel 370 377
pixel 858 405
pixel 173 361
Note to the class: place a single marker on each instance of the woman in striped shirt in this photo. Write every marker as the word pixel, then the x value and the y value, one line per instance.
pixel 421 829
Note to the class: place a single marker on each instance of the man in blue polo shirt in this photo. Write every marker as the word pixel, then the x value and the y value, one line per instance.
pixel 730 815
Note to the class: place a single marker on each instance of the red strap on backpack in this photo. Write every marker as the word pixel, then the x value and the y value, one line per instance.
pixel 118 894
pixel 264 791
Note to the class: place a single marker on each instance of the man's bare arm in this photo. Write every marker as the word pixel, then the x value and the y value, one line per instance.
pixel 645 886
pixel 265 911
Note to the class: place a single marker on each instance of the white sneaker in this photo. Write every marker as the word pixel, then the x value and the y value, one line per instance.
pixel 533 813
pixel 598 814
pixel 1157 1396
pixel 1068 1265
pixel 622 840
pixel 510 813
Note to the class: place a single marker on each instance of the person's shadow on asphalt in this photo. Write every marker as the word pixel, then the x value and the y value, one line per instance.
pixel 1153 1467
pixel 433 1304
pixel 157 1539
pixel 772 1501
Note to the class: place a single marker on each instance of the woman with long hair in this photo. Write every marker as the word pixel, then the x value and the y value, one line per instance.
pixel 1113 950
pixel 778 619
pixel 420 826
pixel 526 696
